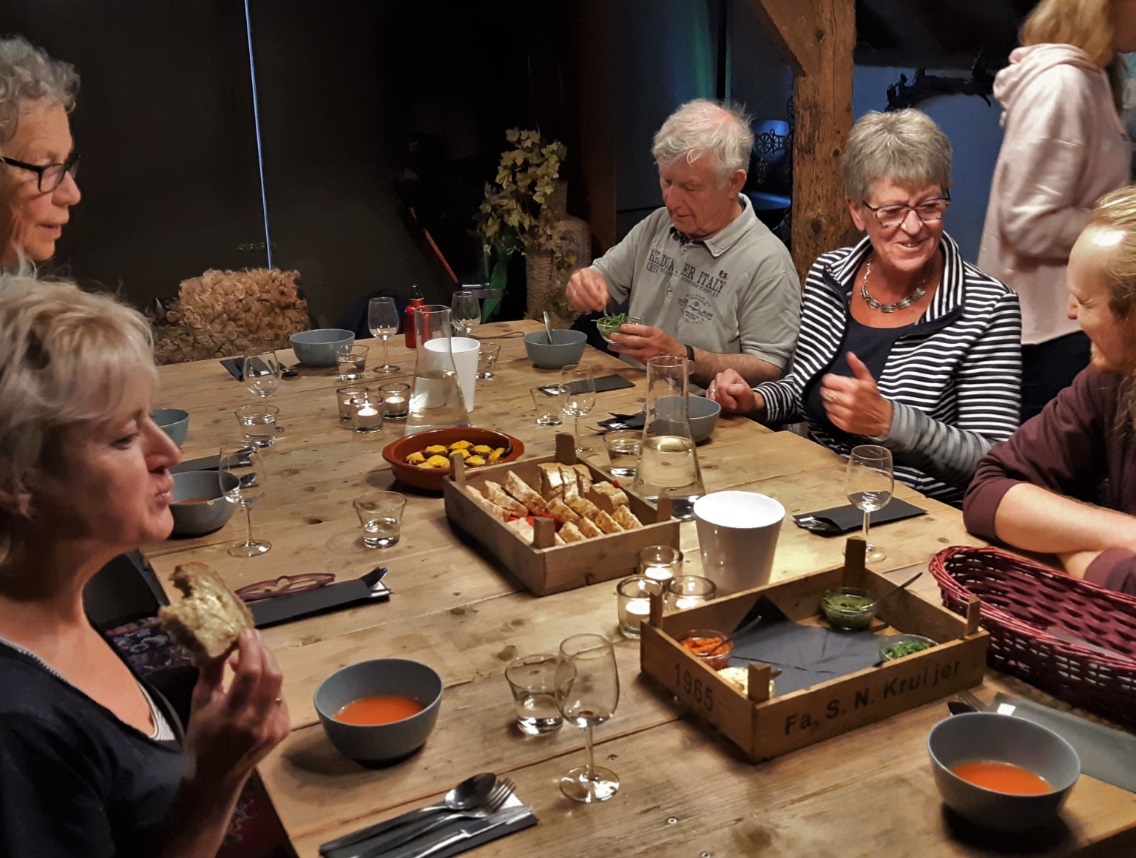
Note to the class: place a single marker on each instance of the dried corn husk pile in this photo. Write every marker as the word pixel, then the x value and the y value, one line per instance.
pixel 223 313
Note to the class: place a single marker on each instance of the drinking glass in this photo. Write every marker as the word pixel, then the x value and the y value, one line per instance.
pixel 247 465
pixel 587 691
pixel 351 360
pixel 869 481
pixel 578 395
pixel 382 322
pixel 467 311
pixel 261 371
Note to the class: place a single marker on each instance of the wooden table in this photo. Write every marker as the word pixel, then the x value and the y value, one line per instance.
pixel 685 790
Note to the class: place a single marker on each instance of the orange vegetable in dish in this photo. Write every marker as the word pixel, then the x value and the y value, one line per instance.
pixel 702 646
pixel 379 709
pixel 1002 777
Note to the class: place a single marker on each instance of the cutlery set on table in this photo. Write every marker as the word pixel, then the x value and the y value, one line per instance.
pixel 479 809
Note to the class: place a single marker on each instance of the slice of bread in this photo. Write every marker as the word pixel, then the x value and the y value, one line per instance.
pixel 495 493
pixel 569 478
pixel 625 518
pixel 525 493
pixel 606 523
pixel 570 533
pixel 588 527
pixel 583 478
pixel 607 497
pixel 523 529
pixel 584 507
pixel 498 512
pixel 209 617
pixel 562 512
pixel 551 481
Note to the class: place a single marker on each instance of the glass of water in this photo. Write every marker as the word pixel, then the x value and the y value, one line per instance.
pixel 532 679
pixel 380 514
pixel 258 424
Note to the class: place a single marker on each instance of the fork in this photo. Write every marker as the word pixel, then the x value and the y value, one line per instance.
pixel 501 792
pixel 971 700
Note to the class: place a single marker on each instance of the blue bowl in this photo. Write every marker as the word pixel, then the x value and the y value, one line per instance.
pixel 173 421
pixel 207 509
pixel 318 347
pixel 377 743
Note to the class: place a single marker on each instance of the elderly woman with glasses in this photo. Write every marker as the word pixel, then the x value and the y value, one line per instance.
pixel 37 156
pixel 902 343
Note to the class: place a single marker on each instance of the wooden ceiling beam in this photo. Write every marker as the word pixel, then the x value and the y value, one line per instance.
pixel 816 39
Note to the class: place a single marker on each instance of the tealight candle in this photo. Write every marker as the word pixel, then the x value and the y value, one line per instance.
pixel 396 400
pixel 660 562
pixel 367 416
pixel 689 591
pixel 633 603
pixel 344 396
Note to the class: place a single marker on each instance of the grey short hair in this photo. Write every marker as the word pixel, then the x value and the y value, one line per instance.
pixel 905 146
pixel 27 73
pixel 66 357
pixel 703 127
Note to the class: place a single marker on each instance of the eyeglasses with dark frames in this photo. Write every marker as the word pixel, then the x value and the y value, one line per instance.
pixel 928 211
pixel 48 176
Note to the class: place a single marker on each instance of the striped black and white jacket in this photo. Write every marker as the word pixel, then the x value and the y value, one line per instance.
pixel 954 378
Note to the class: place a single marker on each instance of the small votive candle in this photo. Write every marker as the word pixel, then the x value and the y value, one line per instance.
pixel 660 562
pixel 688 591
pixel 367 413
pixel 633 603
pixel 396 400
pixel 345 395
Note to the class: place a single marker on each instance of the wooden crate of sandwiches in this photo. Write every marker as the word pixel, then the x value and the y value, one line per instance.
pixel 555 523
pixel 738 701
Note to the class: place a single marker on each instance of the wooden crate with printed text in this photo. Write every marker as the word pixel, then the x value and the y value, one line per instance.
pixel 539 564
pixel 764 727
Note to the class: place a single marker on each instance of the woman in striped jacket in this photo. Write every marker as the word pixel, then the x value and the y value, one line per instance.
pixel 902 343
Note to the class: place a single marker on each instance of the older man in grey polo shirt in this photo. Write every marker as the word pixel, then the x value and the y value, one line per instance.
pixel 710 281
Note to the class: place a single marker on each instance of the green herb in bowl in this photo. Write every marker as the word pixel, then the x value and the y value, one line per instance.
pixel 903 645
pixel 848 608
pixel 610 324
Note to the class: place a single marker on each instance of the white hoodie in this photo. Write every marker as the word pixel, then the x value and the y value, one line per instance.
pixel 1063 148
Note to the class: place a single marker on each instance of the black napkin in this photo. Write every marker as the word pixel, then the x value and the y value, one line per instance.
pixel 624 421
pixel 842 519
pixel 603 383
pixel 235 366
pixel 332 597
pixel 807 655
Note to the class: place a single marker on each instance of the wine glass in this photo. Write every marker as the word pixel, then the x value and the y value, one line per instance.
pixel 869 481
pixel 466 311
pixel 382 321
pixel 577 395
pixel 241 471
pixel 262 371
pixel 587 691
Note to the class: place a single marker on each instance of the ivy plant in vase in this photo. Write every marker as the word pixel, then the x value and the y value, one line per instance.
pixel 515 216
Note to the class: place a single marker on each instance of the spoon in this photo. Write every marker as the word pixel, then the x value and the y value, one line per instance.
pixel 902 586
pixel 467 795
pixel 548 326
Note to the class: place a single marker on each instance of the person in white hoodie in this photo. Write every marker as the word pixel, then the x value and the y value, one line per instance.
pixel 1063 148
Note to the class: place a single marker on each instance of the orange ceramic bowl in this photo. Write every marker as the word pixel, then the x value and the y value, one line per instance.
pixel 431 480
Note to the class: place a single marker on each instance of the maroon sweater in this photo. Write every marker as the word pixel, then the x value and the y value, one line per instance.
pixel 1080 447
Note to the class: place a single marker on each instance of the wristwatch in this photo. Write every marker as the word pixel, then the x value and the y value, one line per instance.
pixel 689 352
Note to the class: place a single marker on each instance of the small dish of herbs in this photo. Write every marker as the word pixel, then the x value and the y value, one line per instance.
pixel 900 646
pixel 848 608
pixel 611 323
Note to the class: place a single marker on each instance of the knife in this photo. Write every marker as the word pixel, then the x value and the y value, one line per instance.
pixel 1106 754
pixel 441 842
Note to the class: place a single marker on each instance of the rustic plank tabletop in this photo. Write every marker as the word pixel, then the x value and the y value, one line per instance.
pixel 685 790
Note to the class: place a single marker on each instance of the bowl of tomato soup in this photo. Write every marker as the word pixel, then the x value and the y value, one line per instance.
pixel 1002 772
pixel 380 710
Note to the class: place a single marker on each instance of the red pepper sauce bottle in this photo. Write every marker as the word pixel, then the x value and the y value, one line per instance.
pixel 408 316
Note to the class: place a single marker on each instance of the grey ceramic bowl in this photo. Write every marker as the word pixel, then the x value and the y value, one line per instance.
pixel 567 347
pixel 317 348
pixel 380 742
pixel 703 415
pixel 1002 738
pixel 174 421
pixel 209 510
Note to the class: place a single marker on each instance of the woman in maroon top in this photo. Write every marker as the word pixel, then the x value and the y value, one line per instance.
pixel 1065 483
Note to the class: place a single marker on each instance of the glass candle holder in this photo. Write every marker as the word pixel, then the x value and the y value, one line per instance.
pixel 396 400
pixel 344 396
pixel 633 603
pixel 351 362
pixel 660 562
pixel 688 591
pixel 366 413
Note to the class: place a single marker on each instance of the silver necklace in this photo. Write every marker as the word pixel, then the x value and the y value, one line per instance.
pixel 873 304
